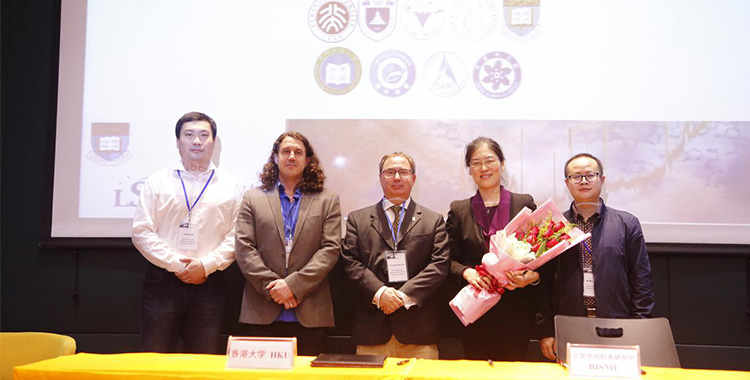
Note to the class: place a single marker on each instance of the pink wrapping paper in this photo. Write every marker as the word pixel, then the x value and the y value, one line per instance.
pixel 470 304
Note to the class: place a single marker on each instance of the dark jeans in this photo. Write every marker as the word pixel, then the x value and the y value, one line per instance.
pixel 310 341
pixel 173 309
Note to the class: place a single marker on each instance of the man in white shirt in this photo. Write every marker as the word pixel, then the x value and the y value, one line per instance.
pixel 184 226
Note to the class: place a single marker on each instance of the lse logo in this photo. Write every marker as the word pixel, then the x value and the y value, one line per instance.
pixel 130 198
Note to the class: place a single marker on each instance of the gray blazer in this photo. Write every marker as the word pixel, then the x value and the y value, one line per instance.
pixel 260 255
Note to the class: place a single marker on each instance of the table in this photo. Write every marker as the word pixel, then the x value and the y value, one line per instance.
pixel 151 366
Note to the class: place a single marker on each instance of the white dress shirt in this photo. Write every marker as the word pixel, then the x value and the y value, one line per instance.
pixel 408 302
pixel 162 208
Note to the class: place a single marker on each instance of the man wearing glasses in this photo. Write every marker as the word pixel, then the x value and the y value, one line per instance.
pixel 396 256
pixel 609 274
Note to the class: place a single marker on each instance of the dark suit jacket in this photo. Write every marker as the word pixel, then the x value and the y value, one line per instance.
pixel 466 238
pixel 260 255
pixel 425 241
pixel 515 312
pixel 622 273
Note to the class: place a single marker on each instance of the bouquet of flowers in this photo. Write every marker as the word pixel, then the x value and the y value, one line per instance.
pixel 529 241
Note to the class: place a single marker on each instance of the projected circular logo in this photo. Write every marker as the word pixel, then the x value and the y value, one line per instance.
pixel 332 21
pixel 497 75
pixel 445 74
pixel 337 71
pixel 422 19
pixel 392 73
pixel 474 20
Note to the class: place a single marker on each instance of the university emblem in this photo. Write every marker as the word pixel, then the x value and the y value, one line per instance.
pixel 377 18
pixel 337 71
pixel 392 73
pixel 422 19
pixel 474 20
pixel 109 143
pixel 497 75
pixel 445 74
pixel 522 18
pixel 332 20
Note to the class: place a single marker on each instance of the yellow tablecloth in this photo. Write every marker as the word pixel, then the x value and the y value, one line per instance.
pixel 150 366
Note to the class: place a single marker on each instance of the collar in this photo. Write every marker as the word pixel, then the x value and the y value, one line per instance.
pixel 282 191
pixel 597 213
pixel 179 166
pixel 388 204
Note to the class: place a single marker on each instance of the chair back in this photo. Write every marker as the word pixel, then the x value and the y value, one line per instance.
pixel 19 348
pixel 653 335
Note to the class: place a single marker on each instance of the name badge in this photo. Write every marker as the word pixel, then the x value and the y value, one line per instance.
pixel 397 271
pixel 588 283
pixel 261 353
pixel 603 361
pixel 187 238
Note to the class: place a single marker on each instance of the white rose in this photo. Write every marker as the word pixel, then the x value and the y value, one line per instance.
pixel 522 251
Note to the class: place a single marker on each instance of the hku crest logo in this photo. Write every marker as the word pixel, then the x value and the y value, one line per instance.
pixel 332 21
pixel 522 19
pixel 377 18
pixel 109 142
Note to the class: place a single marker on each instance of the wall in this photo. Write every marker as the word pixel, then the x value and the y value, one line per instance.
pixel 93 293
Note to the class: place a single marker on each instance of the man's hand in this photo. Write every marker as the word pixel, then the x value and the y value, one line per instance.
pixel 281 293
pixel 548 347
pixel 292 303
pixel 193 273
pixel 390 301
pixel 520 278
pixel 480 282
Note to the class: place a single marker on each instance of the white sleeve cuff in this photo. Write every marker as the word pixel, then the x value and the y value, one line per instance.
pixel 376 299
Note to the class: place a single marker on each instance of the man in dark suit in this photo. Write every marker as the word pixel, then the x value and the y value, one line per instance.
pixel 396 256
pixel 288 240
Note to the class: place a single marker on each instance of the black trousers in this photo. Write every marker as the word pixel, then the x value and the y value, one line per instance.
pixel 173 310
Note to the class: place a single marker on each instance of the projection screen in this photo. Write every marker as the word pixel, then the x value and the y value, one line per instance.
pixel 660 91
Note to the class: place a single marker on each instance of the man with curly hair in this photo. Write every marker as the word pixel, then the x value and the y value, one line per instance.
pixel 288 240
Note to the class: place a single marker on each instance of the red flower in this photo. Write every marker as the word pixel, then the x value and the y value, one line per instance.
pixel 534 230
pixel 560 225
pixel 535 247
pixel 551 243
pixel 531 239
pixel 550 232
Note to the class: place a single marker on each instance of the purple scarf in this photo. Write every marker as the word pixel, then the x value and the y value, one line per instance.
pixel 500 218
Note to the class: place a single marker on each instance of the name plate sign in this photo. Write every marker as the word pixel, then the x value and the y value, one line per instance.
pixel 261 353
pixel 604 361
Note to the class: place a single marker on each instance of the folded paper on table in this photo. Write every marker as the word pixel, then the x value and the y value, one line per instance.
pixel 497 262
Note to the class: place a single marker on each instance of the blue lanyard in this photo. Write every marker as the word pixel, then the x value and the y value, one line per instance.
pixel 390 225
pixel 184 191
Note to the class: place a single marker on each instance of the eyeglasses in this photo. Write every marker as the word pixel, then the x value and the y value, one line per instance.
pixel 578 178
pixel 489 162
pixel 391 173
